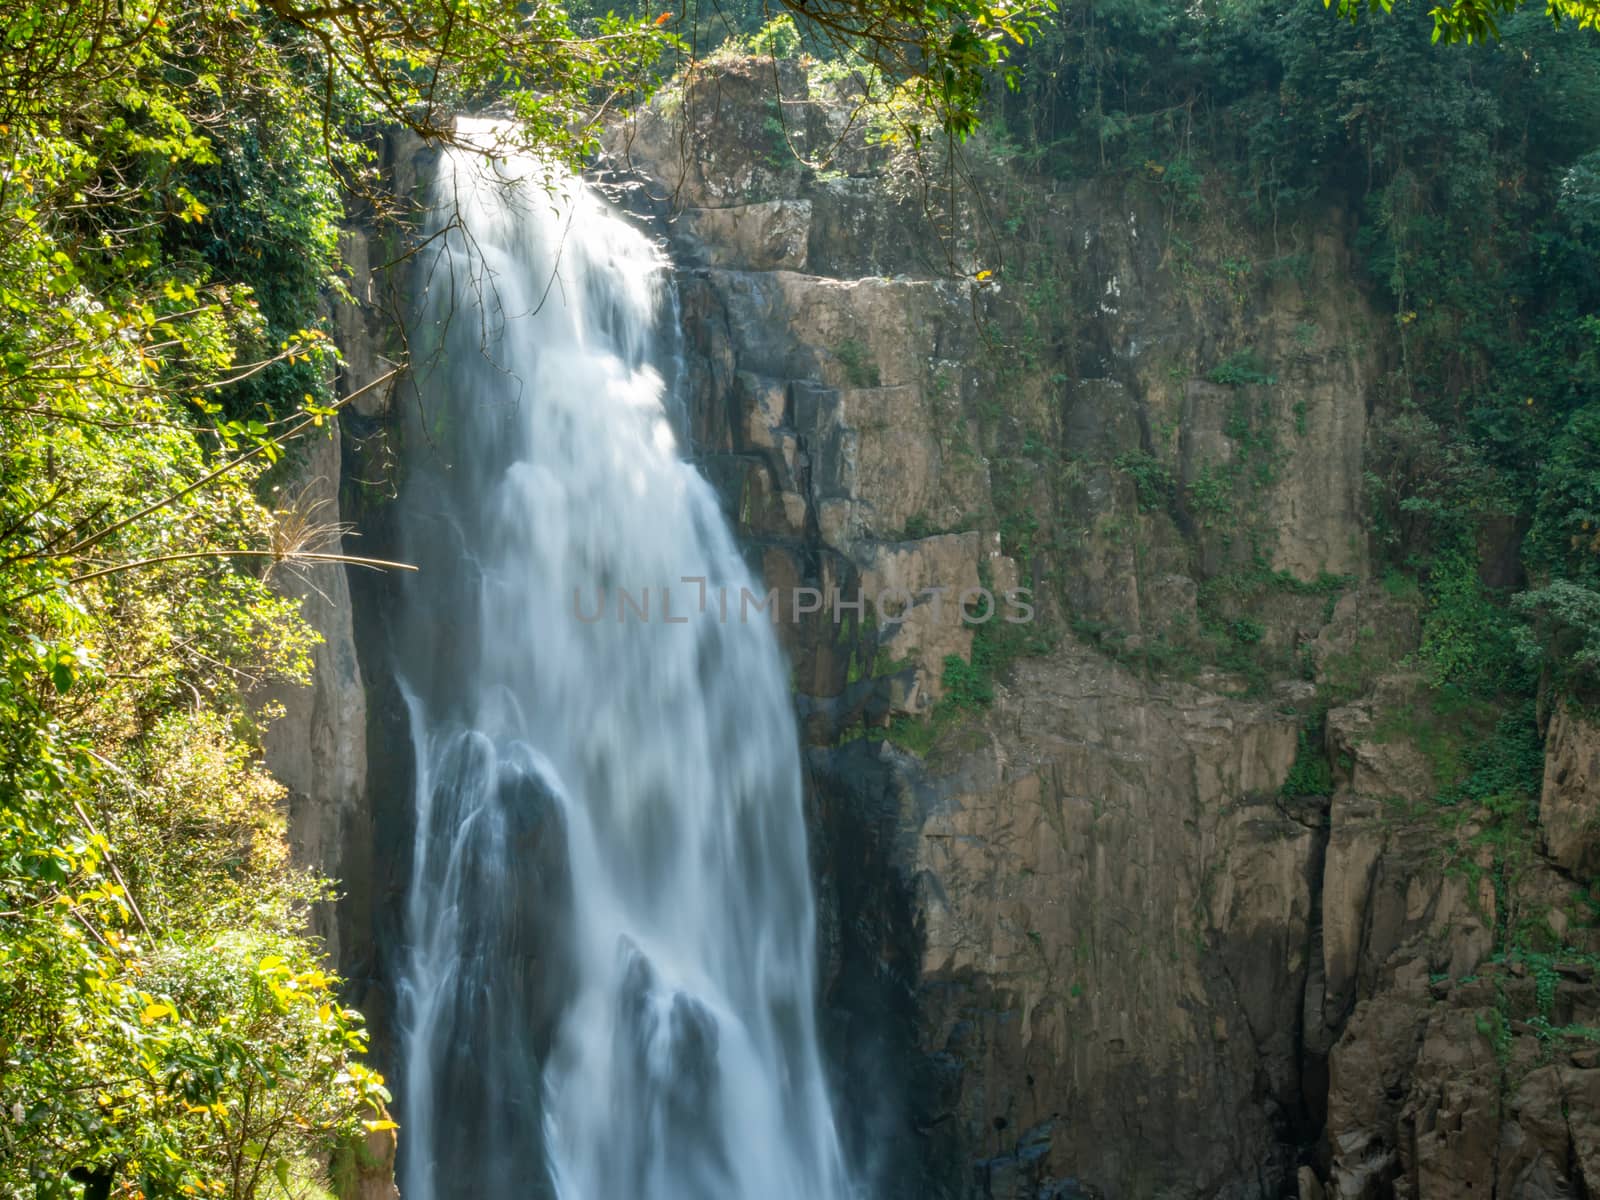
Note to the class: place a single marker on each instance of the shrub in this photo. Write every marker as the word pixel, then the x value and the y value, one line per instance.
pixel 966 685
pixel 1242 368
pixel 1467 640
pixel 1152 479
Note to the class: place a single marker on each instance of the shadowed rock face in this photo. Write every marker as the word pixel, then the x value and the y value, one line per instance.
pixel 1107 972
pixel 1569 808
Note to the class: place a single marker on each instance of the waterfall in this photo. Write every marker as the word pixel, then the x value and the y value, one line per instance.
pixel 610 991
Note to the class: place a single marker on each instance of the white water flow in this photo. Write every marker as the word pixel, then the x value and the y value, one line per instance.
pixel 611 986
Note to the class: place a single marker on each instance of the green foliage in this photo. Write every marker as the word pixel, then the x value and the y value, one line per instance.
pixel 923 69
pixel 164 1017
pixel 1181 184
pixel 1242 368
pixel 1429 489
pixel 919 736
pixel 1494 1027
pixel 1441 725
pixel 1311 774
pixel 1565 536
pixel 1479 20
pixel 966 685
pixel 1493 809
pixel 1152 479
pixel 1247 631
pixel 1564 639
pixel 1210 495
pixel 1467 640
pixel 969 685
pixel 778 38
pixel 162 1014
pixel 860 369
pixel 1507 765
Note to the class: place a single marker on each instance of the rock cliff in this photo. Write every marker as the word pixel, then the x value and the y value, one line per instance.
pixel 334 746
pixel 1151 896
pixel 318 747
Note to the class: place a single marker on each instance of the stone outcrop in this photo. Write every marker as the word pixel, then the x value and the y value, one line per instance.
pixel 318 743
pixel 1435 1092
pixel 318 748
pixel 1569 807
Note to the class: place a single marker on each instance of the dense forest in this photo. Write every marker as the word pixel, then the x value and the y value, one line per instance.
pixel 173 187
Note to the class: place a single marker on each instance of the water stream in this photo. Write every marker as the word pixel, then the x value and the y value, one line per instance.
pixel 611 983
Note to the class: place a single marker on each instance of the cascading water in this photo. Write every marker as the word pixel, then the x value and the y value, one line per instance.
pixel 611 986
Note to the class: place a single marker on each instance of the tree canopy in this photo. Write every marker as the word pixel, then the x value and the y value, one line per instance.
pixel 1481 20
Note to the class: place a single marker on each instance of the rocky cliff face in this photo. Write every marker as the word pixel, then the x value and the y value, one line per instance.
pixel 1452 1070
pixel 318 747
pixel 334 747
pixel 1150 897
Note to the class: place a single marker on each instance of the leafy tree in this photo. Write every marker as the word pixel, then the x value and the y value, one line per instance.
pixel 1565 632
pixel 1565 538
pixel 1479 20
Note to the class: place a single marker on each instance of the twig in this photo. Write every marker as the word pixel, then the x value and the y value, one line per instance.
pixel 377 564
pixel 111 862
